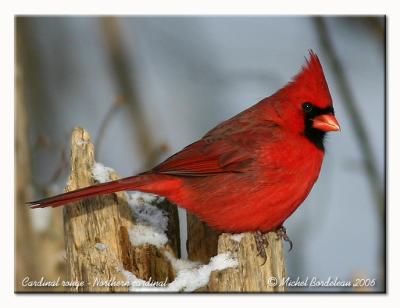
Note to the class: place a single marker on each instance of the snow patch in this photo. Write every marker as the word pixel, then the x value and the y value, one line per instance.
pixel 189 278
pixel 137 284
pixel 101 173
pixel 151 222
pixel 180 264
pixel 101 246
pixel 141 197
pixel 237 237
pixel 146 213
pixel 82 142
pixel 141 235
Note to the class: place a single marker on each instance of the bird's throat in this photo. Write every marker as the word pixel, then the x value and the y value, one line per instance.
pixel 315 136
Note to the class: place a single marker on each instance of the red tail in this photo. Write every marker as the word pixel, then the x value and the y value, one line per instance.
pixel 160 185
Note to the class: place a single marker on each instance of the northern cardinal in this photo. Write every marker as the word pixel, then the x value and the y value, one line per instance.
pixel 249 173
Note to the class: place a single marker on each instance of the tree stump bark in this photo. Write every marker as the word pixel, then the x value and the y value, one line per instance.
pixel 202 243
pixel 96 232
pixel 251 275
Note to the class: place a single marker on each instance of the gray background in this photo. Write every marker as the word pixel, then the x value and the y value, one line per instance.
pixel 190 73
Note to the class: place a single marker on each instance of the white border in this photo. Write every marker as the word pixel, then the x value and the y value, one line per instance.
pixel 223 7
pixel 8 11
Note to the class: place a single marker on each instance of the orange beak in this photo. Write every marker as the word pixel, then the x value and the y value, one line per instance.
pixel 326 123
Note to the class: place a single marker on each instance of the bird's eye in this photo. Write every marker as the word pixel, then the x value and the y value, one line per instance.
pixel 307 107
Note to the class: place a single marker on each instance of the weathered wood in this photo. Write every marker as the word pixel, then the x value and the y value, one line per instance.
pixel 173 232
pixel 251 275
pixel 202 241
pixel 103 220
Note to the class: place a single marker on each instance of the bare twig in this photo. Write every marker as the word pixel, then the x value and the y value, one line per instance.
pixel 122 72
pixel 359 128
pixel 351 107
pixel 124 80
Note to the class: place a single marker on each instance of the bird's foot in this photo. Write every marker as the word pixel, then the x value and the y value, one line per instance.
pixel 281 233
pixel 261 244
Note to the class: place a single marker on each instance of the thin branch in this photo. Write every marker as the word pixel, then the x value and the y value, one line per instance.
pixel 351 108
pixel 121 69
pixel 360 130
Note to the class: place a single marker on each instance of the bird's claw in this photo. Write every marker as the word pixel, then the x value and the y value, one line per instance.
pixel 281 233
pixel 261 244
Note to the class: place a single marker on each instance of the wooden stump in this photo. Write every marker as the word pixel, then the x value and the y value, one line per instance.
pixel 202 243
pixel 96 232
pixel 251 275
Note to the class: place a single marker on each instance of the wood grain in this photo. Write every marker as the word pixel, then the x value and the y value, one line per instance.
pixel 251 275
pixel 104 220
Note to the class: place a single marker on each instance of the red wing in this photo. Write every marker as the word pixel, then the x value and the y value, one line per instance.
pixel 204 158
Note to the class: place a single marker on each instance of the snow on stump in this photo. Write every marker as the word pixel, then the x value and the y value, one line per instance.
pixel 251 274
pixel 97 231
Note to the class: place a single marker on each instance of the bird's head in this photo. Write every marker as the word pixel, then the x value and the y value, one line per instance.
pixel 305 104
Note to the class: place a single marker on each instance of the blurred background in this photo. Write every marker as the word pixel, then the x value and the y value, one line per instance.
pixel 145 87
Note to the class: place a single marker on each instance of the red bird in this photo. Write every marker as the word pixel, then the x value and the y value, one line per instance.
pixel 249 173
